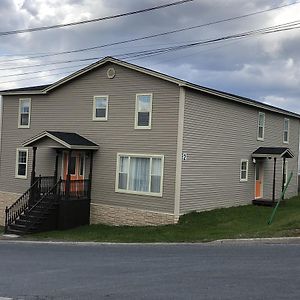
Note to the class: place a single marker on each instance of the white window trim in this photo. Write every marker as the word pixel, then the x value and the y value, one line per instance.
pixel 136 111
pixel 288 131
pixel 29 114
pixel 17 164
pixel 287 171
pixel 263 135
pixel 244 179
pixel 117 190
pixel 94 108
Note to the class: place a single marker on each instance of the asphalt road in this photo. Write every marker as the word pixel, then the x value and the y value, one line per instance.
pixel 209 271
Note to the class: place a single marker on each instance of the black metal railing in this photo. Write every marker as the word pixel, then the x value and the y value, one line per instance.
pixel 22 204
pixel 45 183
pixel 75 189
pixel 53 193
pixel 44 186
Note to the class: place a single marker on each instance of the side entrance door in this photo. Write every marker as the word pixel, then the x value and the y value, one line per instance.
pixel 77 169
pixel 258 180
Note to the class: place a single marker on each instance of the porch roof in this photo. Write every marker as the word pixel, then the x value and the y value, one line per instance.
pixel 69 140
pixel 263 152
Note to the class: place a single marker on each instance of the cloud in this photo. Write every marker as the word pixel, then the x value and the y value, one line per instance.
pixel 265 67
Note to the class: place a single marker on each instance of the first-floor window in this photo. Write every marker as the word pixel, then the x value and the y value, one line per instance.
pixel 285 170
pixel 140 174
pixel 21 163
pixel 244 170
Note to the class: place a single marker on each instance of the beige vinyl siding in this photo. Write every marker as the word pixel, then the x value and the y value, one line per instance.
pixel 217 135
pixel 70 108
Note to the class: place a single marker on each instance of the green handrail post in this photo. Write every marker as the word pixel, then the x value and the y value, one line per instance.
pixel 281 197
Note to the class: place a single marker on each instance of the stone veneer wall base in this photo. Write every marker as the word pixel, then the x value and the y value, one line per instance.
pixel 6 199
pixel 116 215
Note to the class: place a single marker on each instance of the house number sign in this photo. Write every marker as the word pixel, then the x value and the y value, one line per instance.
pixel 184 156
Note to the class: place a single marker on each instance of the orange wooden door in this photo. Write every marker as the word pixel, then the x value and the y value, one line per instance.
pixel 258 181
pixel 76 171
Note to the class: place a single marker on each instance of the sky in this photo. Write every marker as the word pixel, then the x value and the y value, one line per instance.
pixel 265 67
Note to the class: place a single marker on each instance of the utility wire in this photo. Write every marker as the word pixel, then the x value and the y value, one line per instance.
pixel 151 52
pixel 3 33
pixel 265 30
pixel 153 35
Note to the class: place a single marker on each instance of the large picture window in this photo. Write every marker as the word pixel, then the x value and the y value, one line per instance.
pixel 143 111
pixel 100 108
pixel 24 113
pixel 140 174
pixel 21 163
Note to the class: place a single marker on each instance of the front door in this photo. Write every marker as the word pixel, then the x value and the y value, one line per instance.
pixel 258 179
pixel 77 167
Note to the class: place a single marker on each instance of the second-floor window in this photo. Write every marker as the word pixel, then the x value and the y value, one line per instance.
pixel 286 129
pixel 261 126
pixel 100 108
pixel 24 113
pixel 143 111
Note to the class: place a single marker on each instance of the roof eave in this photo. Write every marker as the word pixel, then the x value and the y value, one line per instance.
pixel 168 78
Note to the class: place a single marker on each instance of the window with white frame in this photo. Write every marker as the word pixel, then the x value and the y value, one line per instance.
pixel 286 129
pixel 140 174
pixel 143 111
pixel 244 170
pixel 285 170
pixel 100 108
pixel 21 163
pixel 261 126
pixel 24 113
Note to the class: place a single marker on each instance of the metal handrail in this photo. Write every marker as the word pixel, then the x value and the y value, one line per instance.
pixel 19 206
pixel 42 198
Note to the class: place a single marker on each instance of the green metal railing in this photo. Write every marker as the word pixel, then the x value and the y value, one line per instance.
pixel 281 197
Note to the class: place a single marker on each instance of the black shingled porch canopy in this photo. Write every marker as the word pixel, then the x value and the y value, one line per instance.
pixel 272 152
pixel 69 140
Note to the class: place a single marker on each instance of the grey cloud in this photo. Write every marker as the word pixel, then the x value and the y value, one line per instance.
pixel 250 67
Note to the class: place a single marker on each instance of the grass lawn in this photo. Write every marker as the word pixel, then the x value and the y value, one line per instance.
pixel 237 222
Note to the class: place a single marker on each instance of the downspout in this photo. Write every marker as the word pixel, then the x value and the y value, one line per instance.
pixel 179 153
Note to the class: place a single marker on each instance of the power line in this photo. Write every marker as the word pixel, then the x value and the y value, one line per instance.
pixel 35 77
pixel 155 35
pixel 3 33
pixel 41 71
pixel 151 52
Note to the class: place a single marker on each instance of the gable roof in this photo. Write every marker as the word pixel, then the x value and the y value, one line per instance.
pixel 44 89
pixel 70 140
pixel 273 152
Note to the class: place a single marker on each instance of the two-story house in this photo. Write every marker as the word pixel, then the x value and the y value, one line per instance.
pixel 142 147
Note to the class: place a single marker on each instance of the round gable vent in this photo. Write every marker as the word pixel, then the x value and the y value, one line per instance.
pixel 111 73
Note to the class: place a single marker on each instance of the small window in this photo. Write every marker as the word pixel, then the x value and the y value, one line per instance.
pixel 140 174
pixel 21 163
pixel 261 126
pixel 143 111
pixel 73 165
pixel 24 113
pixel 285 171
pixel 100 108
pixel 286 129
pixel 244 170
pixel 81 163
